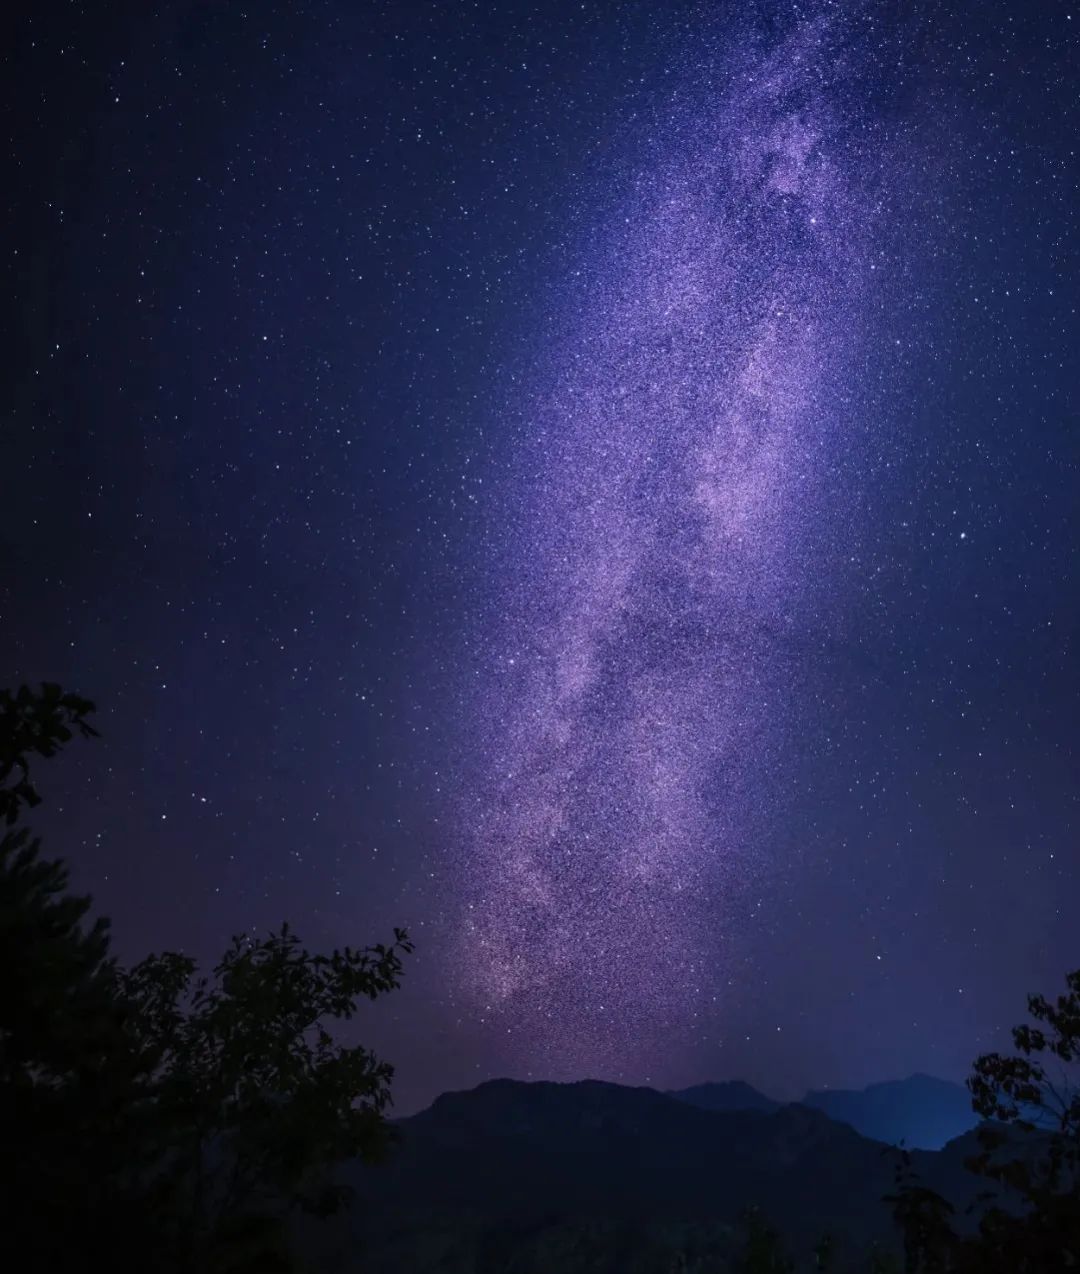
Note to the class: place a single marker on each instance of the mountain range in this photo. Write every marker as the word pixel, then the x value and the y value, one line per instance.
pixel 920 1112
pixel 528 1178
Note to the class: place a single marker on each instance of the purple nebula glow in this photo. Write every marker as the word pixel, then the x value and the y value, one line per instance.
pixel 677 469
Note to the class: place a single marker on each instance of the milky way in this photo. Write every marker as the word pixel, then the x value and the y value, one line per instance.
pixel 675 478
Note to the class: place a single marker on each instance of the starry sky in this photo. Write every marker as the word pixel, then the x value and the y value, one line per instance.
pixel 595 484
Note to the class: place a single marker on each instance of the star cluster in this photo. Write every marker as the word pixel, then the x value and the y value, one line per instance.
pixel 673 517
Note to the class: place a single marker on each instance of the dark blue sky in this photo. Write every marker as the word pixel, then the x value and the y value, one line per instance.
pixel 279 280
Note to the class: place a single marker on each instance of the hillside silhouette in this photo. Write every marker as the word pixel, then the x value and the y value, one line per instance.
pixel 515 1172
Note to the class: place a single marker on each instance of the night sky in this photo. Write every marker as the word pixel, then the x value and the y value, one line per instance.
pixel 595 484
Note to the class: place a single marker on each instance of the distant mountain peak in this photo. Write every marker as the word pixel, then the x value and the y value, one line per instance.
pixel 922 1111
pixel 731 1094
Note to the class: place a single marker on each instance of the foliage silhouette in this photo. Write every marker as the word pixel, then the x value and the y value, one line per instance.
pixel 764 1251
pixel 66 1074
pixel 153 1118
pixel 254 1101
pixel 1029 1155
pixel 924 1219
pixel 38 722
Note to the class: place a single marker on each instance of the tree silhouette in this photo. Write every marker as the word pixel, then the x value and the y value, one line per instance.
pixel 1029 1155
pixel 1035 1094
pixel 924 1219
pixel 56 981
pixel 63 1048
pixel 764 1250
pixel 253 1101
pixel 154 1118
pixel 31 722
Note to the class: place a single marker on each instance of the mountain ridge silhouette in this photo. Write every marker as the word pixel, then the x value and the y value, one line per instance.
pixel 516 1167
